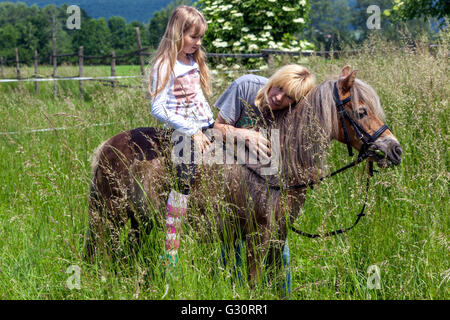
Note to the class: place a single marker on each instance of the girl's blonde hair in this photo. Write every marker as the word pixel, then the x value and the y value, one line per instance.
pixel 295 80
pixel 181 21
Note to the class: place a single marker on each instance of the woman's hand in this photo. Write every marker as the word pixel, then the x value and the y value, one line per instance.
pixel 257 143
pixel 201 140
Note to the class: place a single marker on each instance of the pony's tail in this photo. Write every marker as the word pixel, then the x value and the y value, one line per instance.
pixel 95 159
pixel 94 205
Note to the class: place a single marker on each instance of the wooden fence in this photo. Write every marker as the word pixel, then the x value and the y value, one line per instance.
pixel 267 54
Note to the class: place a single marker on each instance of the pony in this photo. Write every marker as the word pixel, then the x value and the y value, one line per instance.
pixel 130 172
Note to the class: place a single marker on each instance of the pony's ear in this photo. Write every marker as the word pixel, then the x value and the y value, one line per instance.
pixel 345 71
pixel 349 80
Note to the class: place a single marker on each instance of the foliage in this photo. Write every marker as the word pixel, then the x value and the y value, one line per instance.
pixel 157 24
pixel 121 34
pixel 30 28
pixel 234 26
pixel 390 28
pixel 138 10
pixel 21 26
pixel 343 23
pixel 100 44
pixel 410 9
pixel 248 26
pixel 329 23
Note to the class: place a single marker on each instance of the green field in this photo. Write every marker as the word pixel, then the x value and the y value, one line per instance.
pixel 44 186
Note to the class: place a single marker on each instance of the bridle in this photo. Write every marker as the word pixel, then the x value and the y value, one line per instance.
pixel 366 139
pixel 362 135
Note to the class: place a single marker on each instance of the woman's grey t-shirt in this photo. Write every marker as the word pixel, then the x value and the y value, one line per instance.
pixel 237 103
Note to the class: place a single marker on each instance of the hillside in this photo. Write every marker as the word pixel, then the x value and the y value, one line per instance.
pixel 140 10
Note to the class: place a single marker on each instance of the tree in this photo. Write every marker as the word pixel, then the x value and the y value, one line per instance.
pixel 410 9
pixel 28 29
pixel 9 37
pixel 42 30
pixel 120 36
pixel 391 28
pixel 157 24
pixel 330 24
pixel 94 36
pixel 251 25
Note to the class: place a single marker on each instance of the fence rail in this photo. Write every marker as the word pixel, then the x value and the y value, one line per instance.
pixel 141 52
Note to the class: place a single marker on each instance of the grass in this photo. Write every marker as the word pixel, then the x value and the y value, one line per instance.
pixel 44 181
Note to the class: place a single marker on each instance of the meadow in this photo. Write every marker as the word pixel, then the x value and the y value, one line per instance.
pixel 45 175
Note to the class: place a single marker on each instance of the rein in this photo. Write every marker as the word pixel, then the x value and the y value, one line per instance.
pixel 366 140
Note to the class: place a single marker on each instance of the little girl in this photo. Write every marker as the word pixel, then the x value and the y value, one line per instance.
pixel 180 78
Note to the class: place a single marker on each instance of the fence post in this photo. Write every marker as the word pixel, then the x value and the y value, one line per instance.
pixel 139 44
pixel 2 69
pixel 36 86
pixel 80 70
pixel 18 68
pixel 269 57
pixel 113 68
pixel 270 61
pixel 55 63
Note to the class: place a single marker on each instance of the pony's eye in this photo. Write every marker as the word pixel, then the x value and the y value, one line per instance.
pixel 362 113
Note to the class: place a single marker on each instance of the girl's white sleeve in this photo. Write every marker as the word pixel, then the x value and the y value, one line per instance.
pixel 167 116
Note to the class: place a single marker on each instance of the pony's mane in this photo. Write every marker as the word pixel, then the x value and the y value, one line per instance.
pixel 307 128
pixel 321 100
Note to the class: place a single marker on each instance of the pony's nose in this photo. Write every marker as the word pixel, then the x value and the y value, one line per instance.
pixel 395 153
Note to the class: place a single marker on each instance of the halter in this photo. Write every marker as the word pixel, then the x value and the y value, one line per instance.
pixel 366 139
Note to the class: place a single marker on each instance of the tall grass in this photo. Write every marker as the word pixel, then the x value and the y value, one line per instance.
pixel 44 182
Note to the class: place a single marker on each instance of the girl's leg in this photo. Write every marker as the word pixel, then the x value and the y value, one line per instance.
pixel 178 201
pixel 176 210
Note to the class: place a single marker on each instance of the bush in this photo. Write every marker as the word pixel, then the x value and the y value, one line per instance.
pixel 248 26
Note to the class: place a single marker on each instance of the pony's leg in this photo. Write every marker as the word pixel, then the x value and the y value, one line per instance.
pixel 238 255
pixel 96 238
pixel 112 222
pixel 287 276
pixel 266 255
pixel 227 250
pixel 148 184
pixel 279 259
pixel 257 244
pixel 277 263
pixel 103 233
pixel 107 216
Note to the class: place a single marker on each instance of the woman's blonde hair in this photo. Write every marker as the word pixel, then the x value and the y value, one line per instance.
pixel 295 80
pixel 181 21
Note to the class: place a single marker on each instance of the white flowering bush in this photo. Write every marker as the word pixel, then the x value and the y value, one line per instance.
pixel 251 25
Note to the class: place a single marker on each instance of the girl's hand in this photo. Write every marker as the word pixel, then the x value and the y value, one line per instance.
pixel 201 140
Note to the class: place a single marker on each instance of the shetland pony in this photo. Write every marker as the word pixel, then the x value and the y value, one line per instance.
pixel 131 174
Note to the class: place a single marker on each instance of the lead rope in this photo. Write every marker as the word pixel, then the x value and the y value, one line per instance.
pixel 340 231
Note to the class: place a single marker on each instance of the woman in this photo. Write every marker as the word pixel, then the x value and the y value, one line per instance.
pixel 244 100
pixel 241 105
